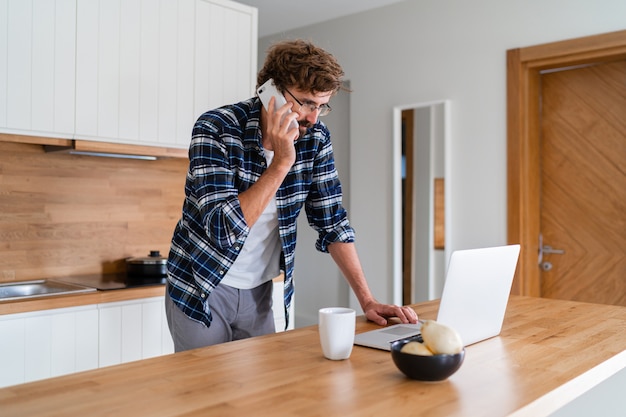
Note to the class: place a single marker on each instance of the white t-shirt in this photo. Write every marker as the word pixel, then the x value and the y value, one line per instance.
pixel 258 261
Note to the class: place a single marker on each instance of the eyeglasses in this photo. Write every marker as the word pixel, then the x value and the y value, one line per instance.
pixel 323 109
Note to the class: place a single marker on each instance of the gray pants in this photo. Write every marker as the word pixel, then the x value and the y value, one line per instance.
pixel 237 314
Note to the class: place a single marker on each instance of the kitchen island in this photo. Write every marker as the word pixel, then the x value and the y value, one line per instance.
pixel 549 353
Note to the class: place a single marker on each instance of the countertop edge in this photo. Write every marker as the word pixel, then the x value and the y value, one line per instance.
pixel 79 299
pixel 574 388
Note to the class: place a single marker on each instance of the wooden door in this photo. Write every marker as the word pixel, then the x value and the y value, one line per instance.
pixel 526 68
pixel 583 183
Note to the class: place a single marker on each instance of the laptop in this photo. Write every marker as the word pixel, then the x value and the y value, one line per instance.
pixel 473 302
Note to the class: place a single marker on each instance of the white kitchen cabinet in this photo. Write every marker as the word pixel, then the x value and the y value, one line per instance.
pixel 37 60
pixel 117 69
pixel 137 329
pixel 48 343
pixel 133 330
pixel 12 352
pixel 225 53
pixel 146 70
pixel 279 309
pixel 135 72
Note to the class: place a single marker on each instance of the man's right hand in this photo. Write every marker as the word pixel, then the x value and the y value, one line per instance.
pixel 281 136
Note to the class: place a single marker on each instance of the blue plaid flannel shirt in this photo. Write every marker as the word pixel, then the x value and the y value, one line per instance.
pixel 226 158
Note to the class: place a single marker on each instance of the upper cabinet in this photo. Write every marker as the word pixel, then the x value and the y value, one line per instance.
pixel 133 72
pixel 37 50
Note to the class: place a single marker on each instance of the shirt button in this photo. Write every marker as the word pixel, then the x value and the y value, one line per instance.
pixel 237 247
pixel 203 295
pixel 222 272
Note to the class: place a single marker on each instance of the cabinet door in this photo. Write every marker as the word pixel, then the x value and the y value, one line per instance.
pixel 37 67
pixel 164 72
pixel 121 332
pixel 146 69
pixel 133 330
pixel 12 348
pixel 134 70
pixel 278 306
pixel 225 54
pixel 60 342
pixel 48 343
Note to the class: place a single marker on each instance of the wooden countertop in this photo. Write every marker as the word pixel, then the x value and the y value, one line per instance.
pixel 549 352
pixel 79 299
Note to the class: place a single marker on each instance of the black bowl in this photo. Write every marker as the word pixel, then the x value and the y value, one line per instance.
pixel 425 368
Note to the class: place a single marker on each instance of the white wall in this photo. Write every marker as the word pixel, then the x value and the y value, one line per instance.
pixel 318 281
pixel 424 50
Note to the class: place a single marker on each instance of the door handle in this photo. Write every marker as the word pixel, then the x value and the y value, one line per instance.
pixel 547 249
pixel 550 249
pixel 547 266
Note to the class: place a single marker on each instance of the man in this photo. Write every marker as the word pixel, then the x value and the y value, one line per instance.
pixel 250 174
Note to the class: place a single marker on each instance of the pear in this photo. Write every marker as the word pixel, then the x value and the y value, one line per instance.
pixel 441 339
pixel 416 348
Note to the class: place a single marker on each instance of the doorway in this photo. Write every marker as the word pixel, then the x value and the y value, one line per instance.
pixel 537 86
pixel 422 203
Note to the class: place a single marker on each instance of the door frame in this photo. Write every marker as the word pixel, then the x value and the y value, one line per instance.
pixel 523 133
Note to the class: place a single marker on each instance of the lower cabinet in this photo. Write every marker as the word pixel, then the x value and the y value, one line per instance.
pixel 44 344
pixel 49 343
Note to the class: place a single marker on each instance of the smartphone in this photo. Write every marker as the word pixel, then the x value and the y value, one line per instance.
pixel 266 91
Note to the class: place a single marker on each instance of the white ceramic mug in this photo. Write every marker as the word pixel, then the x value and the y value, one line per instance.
pixel 336 327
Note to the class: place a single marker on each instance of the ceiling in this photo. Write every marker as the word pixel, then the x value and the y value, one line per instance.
pixel 276 16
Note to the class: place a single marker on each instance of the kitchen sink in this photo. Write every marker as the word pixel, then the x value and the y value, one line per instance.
pixel 39 288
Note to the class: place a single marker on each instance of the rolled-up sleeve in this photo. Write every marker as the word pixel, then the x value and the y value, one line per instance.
pixel 214 191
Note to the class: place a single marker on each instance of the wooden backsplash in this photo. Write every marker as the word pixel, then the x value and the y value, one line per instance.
pixel 63 215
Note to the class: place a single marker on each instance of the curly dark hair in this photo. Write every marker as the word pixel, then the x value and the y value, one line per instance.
pixel 301 64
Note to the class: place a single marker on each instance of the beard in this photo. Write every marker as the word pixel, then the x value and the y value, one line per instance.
pixel 303 127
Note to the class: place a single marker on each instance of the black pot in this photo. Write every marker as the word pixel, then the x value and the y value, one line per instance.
pixel 147 270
